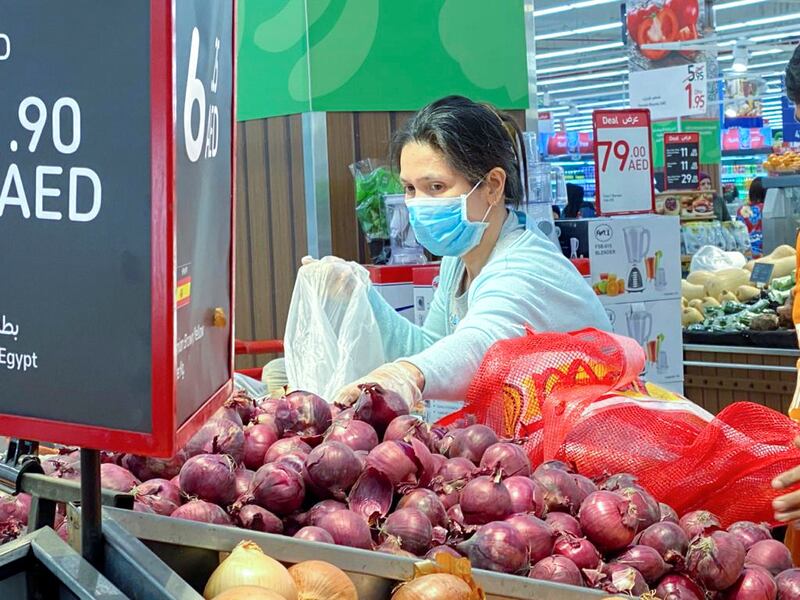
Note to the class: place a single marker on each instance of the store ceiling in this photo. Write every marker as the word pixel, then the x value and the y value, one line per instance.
pixel 581 60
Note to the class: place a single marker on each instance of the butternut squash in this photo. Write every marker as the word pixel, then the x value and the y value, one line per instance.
pixel 684 303
pixel 783 266
pixel 697 304
pixel 784 251
pixel 745 293
pixel 709 301
pixel 690 316
pixel 691 291
pixel 727 279
pixel 749 266
pixel 699 277
pixel 728 296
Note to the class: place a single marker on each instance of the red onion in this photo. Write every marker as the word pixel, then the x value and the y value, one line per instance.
pixel 202 511
pixel 553 465
pixel 585 485
pixel 209 477
pixel 451 477
pixel 485 499
pixel 405 427
pixel 668 539
pixel 558 569
pixel 561 491
pixel 160 495
pixel 507 457
pixel 427 468
pixel 142 508
pixel 579 550
pixel 455 514
pixel 668 513
pixel 359 435
pixel 621 579
pixel 497 547
pixel 176 481
pixel 679 587
pixel 218 436
pixel 62 467
pixel 391 545
pixel 699 522
pixel 229 413
pixel 471 442
pixel 262 418
pixel 527 495
pixel 332 469
pixel 440 535
pixel 361 455
pixel 321 508
pixel 243 481
pixel 646 560
pixel 648 511
pixel 537 534
pixel 243 404
pixel 279 489
pixel 378 406
pixel 412 527
pixel 619 481
pixel 748 533
pixel 769 554
pixel 285 446
pixel 715 560
pixel 427 502
pixel 257 440
pixel 114 477
pixel 608 520
pixel 314 534
pixel 371 496
pixel 303 413
pixel 145 468
pixel 256 518
pixel 296 461
pixel 562 523
pixel 398 461
pixel 15 508
pixel 12 529
pixel 431 555
pixel 347 529
pixel 754 583
pixel 788 584
pixel 438 461
pixel 447 441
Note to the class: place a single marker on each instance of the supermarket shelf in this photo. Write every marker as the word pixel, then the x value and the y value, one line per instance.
pixel 754 153
pixel 741 350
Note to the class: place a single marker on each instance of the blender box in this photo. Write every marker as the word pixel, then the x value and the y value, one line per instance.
pixel 426 280
pixel 631 258
pixel 396 284
pixel 656 326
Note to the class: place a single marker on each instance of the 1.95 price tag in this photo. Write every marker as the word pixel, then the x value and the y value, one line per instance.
pixel 623 162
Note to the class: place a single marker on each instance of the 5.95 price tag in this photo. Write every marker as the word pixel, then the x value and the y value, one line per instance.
pixel 623 162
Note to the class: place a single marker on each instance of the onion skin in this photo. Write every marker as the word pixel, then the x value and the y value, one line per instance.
pixel 537 534
pixel 648 510
pixel 508 458
pixel 371 496
pixel 278 489
pixel 483 500
pixel 770 555
pixel 412 527
pixel 114 477
pixel 578 550
pixel 668 539
pixel 668 514
pixel 754 583
pixel 160 495
pixel 623 579
pixel 314 534
pixel 608 520
pixel 497 547
pixel 256 518
pixel 209 477
pixel 427 502
pixel 438 586
pixel 257 440
pixel 715 561
pixel 347 529
pixel 562 523
pixel 679 587
pixel 332 469
pixel 646 560
pixel 748 533
pixel 405 427
pixel 358 435
pixel 527 495
pixel 561 491
pixel 471 442
pixel 318 580
pixel 203 512
pixel 788 584
pixel 619 481
pixel 248 592
pixel 699 522
pixel 284 446
pixel 558 569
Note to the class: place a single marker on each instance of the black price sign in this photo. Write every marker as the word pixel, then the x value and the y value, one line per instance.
pixel 115 220
pixel 762 273
pixel 681 161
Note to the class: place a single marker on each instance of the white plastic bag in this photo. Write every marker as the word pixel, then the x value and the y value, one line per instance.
pixel 332 337
pixel 711 258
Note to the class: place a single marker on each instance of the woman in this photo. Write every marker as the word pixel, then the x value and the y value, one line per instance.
pixel 720 208
pixel 460 164
pixel 750 214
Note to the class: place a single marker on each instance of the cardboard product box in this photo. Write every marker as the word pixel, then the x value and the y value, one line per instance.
pixel 395 284
pixel 439 409
pixel 632 258
pixel 426 280
pixel 656 326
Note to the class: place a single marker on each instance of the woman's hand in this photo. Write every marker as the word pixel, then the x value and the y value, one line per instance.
pixel 401 377
pixel 787 507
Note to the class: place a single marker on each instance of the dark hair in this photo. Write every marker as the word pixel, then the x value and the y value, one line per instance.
pixel 474 138
pixel 575 195
pixel 757 192
pixel 793 77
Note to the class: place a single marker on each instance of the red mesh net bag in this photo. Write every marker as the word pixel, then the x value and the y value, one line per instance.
pixel 575 397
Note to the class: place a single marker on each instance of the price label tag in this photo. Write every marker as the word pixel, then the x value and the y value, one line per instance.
pixel 682 160
pixel 623 162
pixel 762 273
pixel 671 92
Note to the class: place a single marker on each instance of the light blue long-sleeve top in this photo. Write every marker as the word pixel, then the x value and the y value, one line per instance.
pixel 527 281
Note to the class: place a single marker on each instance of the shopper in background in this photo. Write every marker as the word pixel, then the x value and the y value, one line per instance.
pixel 720 208
pixel 750 214
pixel 461 164
pixel 577 208
pixel 793 81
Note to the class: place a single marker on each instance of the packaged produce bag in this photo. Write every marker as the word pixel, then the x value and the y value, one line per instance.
pixel 332 337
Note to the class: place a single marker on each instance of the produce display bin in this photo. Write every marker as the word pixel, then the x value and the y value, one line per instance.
pixel 717 376
pixel 192 551
pixel 42 565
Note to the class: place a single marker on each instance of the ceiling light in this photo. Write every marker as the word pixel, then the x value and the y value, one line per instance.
pixel 584 50
pixel 573 110
pixel 571 6
pixel 547 98
pixel 775 36
pixel 740 58
pixel 583 88
pixel 590 29
pixel 583 66
pixel 587 77
pixel 737 4
pixel 757 22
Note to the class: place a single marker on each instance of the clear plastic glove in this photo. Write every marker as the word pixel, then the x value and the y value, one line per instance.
pixel 340 277
pixel 400 377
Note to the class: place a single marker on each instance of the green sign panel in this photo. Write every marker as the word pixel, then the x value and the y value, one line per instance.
pixel 353 55
pixel 710 141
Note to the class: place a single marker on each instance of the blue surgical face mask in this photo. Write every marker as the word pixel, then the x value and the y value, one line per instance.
pixel 441 224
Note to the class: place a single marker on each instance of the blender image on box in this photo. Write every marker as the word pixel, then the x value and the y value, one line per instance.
pixel 637 245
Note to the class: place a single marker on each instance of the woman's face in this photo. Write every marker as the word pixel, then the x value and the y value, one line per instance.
pixel 425 172
pixel 705 185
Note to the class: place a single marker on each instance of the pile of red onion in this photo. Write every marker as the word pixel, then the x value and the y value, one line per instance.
pixel 373 476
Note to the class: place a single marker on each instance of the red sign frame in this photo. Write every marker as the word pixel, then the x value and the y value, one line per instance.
pixel 636 114
pixel 167 435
